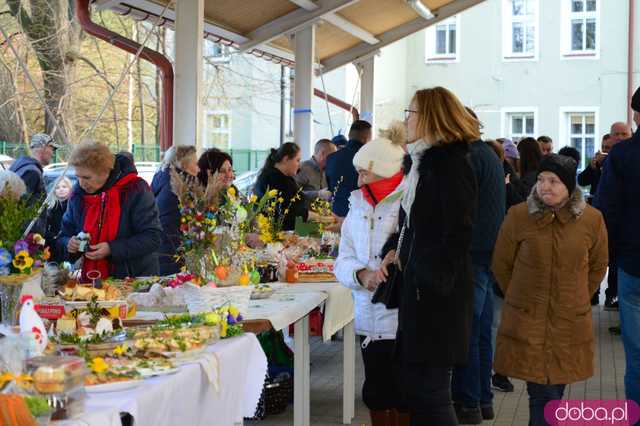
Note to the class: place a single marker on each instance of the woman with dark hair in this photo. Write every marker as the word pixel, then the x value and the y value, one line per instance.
pixel 213 160
pixel 515 189
pixel 278 172
pixel 530 157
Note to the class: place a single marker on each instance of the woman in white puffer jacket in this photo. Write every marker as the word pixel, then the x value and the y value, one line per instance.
pixel 372 218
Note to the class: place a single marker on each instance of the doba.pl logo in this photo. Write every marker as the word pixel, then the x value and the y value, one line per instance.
pixel 592 413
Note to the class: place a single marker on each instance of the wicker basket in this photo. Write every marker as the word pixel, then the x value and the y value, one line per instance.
pixel 205 299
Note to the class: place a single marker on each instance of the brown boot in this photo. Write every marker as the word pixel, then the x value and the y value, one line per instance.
pixel 381 418
pixel 403 418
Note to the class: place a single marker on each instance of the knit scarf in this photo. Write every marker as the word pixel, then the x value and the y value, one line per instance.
pixel 378 190
pixel 411 180
pixel 102 222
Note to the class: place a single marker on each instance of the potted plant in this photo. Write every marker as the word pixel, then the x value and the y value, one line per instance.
pixel 21 257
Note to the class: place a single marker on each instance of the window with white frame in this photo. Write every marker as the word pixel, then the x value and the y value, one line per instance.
pixel 216 52
pixel 580 27
pixel 218 133
pixel 520 20
pixel 443 40
pixel 582 134
pixel 520 125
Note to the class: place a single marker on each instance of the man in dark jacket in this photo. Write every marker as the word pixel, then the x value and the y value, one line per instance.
pixel 590 176
pixel 617 198
pixel 342 177
pixel 619 131
pixel 471 386
pixel 311 176
pixel 30 168
pixel 133 253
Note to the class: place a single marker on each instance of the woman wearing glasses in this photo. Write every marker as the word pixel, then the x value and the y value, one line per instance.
pixel 436 295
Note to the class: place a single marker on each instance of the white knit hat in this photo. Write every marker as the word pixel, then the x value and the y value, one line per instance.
pixel 383 156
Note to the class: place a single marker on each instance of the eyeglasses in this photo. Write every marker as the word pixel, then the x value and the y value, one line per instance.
pixel 408 112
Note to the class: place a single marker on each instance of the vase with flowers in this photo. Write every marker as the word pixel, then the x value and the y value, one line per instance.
pixel 214 223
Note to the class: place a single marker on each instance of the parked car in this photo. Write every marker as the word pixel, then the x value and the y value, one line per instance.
pixel 146 170
pixel 246 181
pixel 54 171
pixel 5 162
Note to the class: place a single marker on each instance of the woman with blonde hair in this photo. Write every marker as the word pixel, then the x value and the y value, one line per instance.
pixel 57 206
pixel 184 161
pixel 432 253
pixel 116 208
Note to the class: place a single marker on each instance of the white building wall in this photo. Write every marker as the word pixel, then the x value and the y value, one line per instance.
pixel 489 84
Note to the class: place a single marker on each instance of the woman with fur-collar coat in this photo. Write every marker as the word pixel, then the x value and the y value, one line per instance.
pixel 550 258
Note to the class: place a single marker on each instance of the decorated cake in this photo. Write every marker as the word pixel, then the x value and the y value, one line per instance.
pixel 316 270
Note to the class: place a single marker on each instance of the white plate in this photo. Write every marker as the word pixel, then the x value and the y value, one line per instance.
pixel 113 387
pixel 147 373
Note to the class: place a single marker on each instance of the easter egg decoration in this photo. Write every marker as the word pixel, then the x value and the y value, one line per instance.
pixel 255 277
pixel 244 277
pixel 221 272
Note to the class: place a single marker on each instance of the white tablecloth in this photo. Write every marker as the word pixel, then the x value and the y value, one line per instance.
pixel 188 397
pixel 283 308
pixel 338 308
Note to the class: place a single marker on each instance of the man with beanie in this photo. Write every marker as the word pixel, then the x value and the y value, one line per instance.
pixel 30 168
pixel 372 218
pixel 617 198
pixel 341 175
pixel 471 384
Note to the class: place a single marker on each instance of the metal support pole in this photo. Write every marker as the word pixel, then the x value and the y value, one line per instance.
pixel 367 102
pixel 303 115
pixel 189 30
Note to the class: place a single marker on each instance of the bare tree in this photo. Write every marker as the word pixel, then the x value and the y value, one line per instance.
pixel 53 35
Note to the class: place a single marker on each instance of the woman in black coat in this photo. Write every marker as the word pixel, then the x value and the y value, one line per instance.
pixel 183 160
pixel 515 188
pixel 278 172
pixel 530 157
pixel 436 294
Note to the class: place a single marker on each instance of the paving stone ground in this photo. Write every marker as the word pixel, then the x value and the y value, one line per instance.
pixel 511 408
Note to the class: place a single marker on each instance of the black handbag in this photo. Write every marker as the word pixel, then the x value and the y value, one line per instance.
pixel 388 292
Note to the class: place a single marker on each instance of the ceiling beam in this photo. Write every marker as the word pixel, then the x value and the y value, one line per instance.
pixel 292 22
pixel 338 21
pixel 351 28
pixel 305 4
pixel 393 35
pixel 105 4
pixel 212 32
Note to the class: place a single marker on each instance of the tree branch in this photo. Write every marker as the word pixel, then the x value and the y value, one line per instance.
pixel 101 74
pixel 18 12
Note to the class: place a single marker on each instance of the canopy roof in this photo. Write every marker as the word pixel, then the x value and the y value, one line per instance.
pixel 347 29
